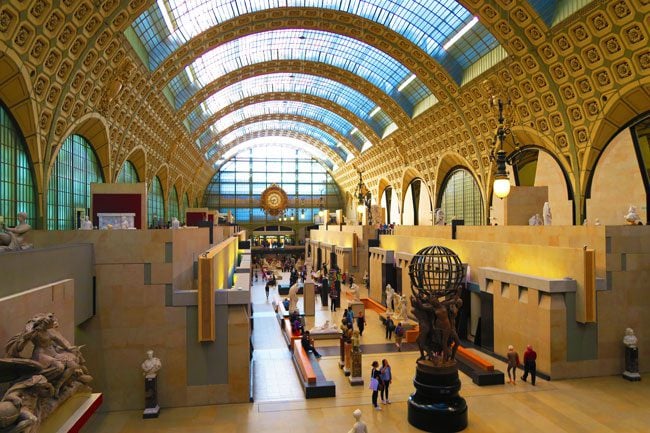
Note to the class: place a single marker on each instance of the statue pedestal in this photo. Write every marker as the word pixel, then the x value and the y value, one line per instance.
pixel 435 406
pixel 357 307
pixel 355 377
pixel 342 352
pixel 631 372
pixel 348 360
pixel 151 408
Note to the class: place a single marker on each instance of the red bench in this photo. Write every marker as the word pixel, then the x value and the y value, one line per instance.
pixel 304 364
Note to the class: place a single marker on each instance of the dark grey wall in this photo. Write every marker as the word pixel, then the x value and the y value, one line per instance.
pixel 207 363
pixel 25 270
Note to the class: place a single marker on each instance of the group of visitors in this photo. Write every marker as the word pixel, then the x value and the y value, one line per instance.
pixel 380 380
pixel 530 364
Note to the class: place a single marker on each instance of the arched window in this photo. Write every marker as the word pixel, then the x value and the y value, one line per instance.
pixel 17 193
pixel 239 184
pixel 417 204
pixel 68 198
pixel 128 173
pixel 186 205
pixel 173 203
pixel 156 204
pixel 461 198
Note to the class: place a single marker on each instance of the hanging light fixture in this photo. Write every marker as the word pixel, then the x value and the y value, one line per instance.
pixel 501 186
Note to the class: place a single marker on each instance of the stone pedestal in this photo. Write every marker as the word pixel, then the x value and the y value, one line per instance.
pixel 348 359
pixel 436 406
pixel 356 377
pixel 342 351
pixel 357 307
pixel 151 408
pixel 632 364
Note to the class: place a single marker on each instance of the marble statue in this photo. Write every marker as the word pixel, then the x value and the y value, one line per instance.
pixel 36 385
pixel 124 223
pixel 354 289
pixel 585 222
pixel 11 239
pixel 359 426
pixel 535 220
pixel 151 365
pixel 390 293
pixel 293 297
pixel 176 224
pixel 401 314
pixel 326 327
pixel 546 211
pixel 596 222
pixel 439 217
pixel 629 339
pixel 632 216
pixel 356 340
pixel 86 224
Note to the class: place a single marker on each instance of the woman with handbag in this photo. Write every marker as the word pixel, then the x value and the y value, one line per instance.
pixel 375 383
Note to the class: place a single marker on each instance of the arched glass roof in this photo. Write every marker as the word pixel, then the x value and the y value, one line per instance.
pixel 276 125
pixel 291 108
pixel 429 24
pixel 339 94
pixel 343 52
pixel 270 145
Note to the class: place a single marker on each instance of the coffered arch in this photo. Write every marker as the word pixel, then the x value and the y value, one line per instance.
pixel 339 110
pixel 348 149
pixel 308 139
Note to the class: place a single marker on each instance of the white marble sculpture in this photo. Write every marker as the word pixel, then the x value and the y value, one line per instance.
pixel 359 426
pixel 86 224
pixel 632 216
pixel 326 327
pixel 439 217
pixel 401 313
pixel 176 224
pixel 596 222
pixel 293 297
pixel 630 339
pixel 124 223
pixel 390 292
pixel 11 239
pixel 151 366
pixel 354 289
pixel 535 220
pixel 546 211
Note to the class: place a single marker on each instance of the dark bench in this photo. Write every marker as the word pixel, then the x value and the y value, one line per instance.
pixel 480 370
pixel 311 376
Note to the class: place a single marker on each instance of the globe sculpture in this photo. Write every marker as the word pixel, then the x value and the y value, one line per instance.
pixel 436 281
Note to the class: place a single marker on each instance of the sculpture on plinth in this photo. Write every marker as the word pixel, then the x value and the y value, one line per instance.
pixel 436 276
pixel 631 372
pixel 439 217
pixel 354 289
pixel 390 293
pixel 546 212
pixel 38 384
pixel 359 426
pixel 11 238
pixel 150 368
pixel 632 217
pixel 86 224
pixel 293 297
pixel 401 313
pixel 176 224
pixel 535 220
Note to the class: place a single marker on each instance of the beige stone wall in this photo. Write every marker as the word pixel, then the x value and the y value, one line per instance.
pixel 617 183
pixel 549 173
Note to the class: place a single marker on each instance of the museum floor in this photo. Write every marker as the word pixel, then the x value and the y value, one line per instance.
pixel 604 404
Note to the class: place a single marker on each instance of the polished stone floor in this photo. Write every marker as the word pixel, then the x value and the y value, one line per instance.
pixel 605 404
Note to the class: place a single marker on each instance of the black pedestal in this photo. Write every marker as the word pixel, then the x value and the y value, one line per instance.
pixel 436 406
pixel 151 408
pixel 632 364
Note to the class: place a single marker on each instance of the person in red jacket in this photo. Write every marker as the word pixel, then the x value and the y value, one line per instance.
pixel 530 365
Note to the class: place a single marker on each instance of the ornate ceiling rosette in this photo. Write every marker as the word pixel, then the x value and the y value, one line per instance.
pixel 274 200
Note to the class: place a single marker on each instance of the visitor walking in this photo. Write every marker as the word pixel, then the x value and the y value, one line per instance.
pixel 333 297
pixel 530 364
pixel 390 327
pixel 386 379
pixel 266 289
pixel 361 322
pixel 513 361
pixel 399 335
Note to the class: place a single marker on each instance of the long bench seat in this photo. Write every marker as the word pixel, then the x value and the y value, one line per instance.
pixel 288 334
pixel 311 376
pixel 479 369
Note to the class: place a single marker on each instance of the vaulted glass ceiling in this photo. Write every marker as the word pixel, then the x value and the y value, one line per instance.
pixel 290 108
pixel 278 125
pixel 429 24
pixel 343 52
pixel 302 84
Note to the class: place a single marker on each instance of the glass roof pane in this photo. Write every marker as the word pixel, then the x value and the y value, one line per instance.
pixel 292 108
pixel 277 125
pixel 343 52
pixel 302 84
pixel 269 146
pixel 426 23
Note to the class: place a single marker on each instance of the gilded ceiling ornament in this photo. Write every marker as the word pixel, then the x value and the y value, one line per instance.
pixel 274 200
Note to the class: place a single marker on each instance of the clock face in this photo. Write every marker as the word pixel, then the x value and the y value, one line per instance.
pixel 274 200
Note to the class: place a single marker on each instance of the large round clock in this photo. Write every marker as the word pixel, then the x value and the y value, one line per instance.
pixel 274 200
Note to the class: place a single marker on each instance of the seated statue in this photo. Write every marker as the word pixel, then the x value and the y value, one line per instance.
pixel 11 239
pixel 325 328
pixel 632 217
pixel 86 224
pixel 439 217
pixel 176 224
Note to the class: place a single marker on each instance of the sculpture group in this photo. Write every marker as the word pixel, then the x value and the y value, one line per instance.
pixel 11 239
pixel 40 382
